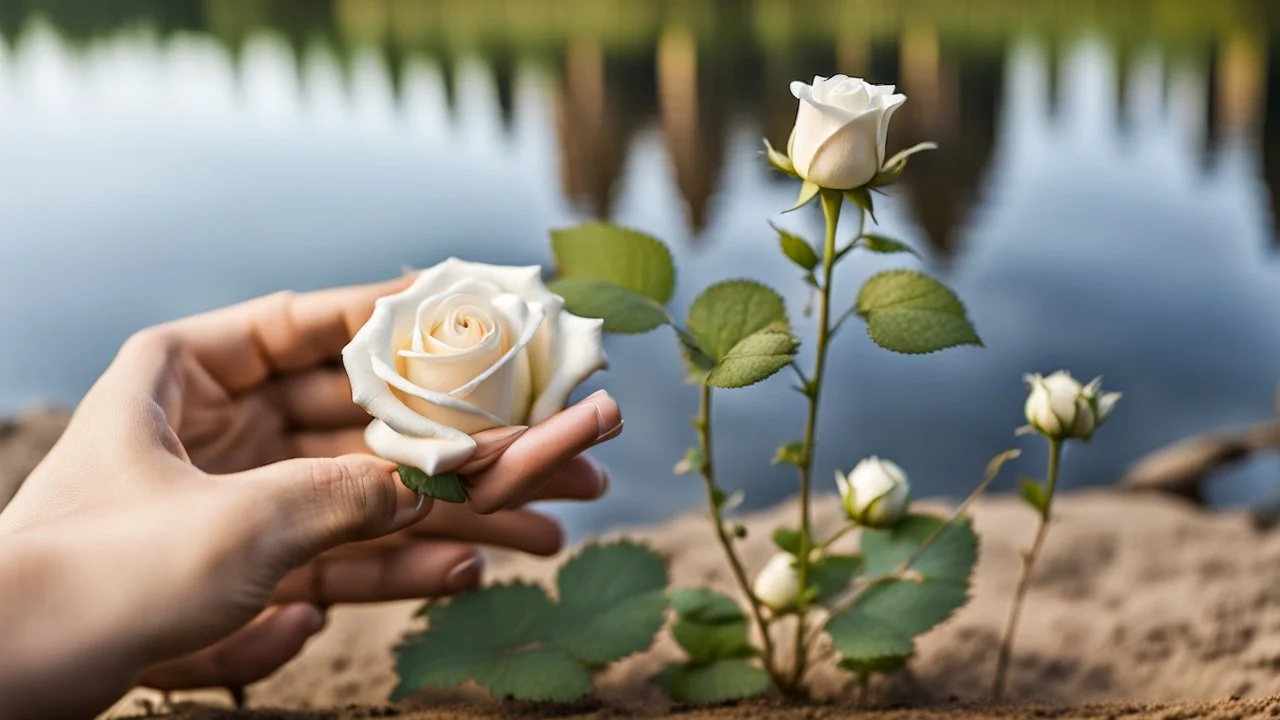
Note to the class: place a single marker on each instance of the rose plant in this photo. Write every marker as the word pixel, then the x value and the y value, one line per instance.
pixel 1060 409
pixel 470 347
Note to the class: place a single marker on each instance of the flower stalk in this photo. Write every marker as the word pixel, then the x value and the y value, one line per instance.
pixel 1028 568
pixel 831 204
pixel 715 502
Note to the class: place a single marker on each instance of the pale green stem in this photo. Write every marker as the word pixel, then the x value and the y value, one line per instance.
pixel 831 202
pixel 735 564
pixel 839 534
pixel 1028 567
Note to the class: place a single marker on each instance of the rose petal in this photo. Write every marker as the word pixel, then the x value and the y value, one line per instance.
pixel 432 455
pixel 581 352
pixel 844 159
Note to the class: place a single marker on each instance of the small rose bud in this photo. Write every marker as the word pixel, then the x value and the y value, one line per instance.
pixel 778 585
pixel 1059 407
pixel 875 492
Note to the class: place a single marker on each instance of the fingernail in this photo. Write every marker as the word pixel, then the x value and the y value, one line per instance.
pixel 490 444
pixel 611 434
pixel 410 506
pixel 465 575
pixel 608 415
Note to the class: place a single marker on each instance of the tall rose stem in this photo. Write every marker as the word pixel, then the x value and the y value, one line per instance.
pixel 714 495
pixel 831 202
pixel 1028 567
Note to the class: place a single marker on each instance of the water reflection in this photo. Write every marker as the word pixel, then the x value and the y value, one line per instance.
pixel 1104 196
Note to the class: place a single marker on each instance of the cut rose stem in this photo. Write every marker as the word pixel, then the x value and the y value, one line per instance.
pixel 831 202
pixel 1028 567
pixel 714 495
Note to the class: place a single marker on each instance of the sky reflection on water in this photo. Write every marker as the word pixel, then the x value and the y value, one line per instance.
pixel 1100 205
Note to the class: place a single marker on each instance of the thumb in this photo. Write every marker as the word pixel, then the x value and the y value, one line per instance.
pixel 320 503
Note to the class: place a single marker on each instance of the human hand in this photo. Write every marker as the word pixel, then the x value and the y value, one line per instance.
pixel 216 468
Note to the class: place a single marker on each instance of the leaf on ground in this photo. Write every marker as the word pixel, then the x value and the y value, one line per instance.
pixel 541 674
pixel 468 632
pixel 721 681
pixel 612 602
pixel 513 640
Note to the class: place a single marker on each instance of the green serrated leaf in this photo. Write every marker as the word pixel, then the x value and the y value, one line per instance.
pixel 705 606
pixel 861 197
pixel 721 681
pixel 885 619
pixel 706 643
pixel 779 160
pixel 885 245
pixel 950 557
pixel 541 674
pixel 910 312
pixel 881 665
pixel 627 258
pixel 808 191
pixel 513 640
pixel 447 487
pixel 797 249
pixel 1033 492
pixel 788 540
pixel 791 453
pixel 469 631
pixel 698 361
pixel 755 358
pixel 612 602
pixel 728 312
pixel 623 311
pixel 832 574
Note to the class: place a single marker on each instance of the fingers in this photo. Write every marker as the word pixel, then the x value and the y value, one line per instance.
pixel 248 655
pixel 421 569
pixel 319 503
pixel 315 400
pixel 244 344
pixel 526 466
pixel 523 530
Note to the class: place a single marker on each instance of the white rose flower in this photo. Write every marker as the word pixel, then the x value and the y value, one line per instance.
pixel 467 347
pixel 778 584
pixel 875 493
pixel 1059 407
pixel 838 141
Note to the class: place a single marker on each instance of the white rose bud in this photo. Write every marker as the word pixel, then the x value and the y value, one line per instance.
pixel 875 492
pixel 778 584
pixel 838 141
pixel 467 347
pixel 1059 407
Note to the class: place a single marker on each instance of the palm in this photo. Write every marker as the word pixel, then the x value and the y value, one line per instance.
pixel 226 433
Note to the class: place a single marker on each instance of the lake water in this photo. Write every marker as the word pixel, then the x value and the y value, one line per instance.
pixel 1104 198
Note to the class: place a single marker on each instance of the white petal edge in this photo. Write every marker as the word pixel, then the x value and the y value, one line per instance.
pixel 581 352
pixel 432 455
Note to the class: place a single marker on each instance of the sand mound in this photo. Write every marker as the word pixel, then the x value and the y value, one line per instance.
pixel 1139 599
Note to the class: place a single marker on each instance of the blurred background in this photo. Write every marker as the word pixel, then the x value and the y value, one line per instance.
pixel 1104 197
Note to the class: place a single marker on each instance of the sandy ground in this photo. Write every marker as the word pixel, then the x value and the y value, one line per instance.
pixel 1139 599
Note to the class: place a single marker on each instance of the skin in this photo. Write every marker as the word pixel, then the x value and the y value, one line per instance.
pixel 213 494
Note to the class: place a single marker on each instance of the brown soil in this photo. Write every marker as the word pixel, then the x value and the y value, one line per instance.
pixel 1139 599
